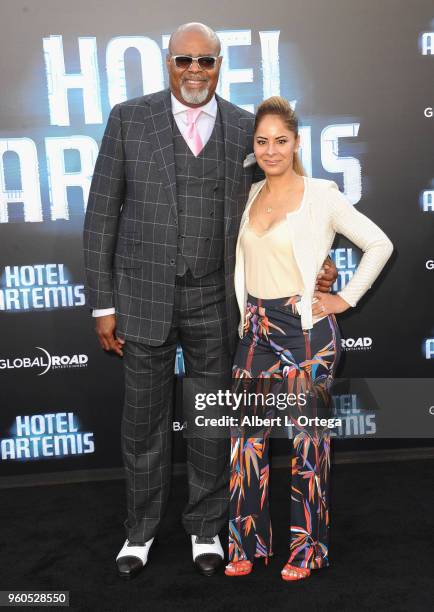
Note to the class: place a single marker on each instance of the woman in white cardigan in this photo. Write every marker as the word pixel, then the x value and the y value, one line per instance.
pixel 288 332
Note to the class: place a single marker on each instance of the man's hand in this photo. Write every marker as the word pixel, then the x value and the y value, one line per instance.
pixel 327 276
pixel 105 330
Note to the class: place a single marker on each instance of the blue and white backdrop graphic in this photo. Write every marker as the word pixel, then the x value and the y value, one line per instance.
pixel 363 86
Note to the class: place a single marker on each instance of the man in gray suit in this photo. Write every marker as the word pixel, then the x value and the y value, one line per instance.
pixel 160 232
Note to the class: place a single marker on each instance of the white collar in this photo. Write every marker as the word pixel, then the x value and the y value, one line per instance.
pixel 210 108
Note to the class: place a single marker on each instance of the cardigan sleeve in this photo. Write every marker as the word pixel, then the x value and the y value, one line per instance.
pixel 364 233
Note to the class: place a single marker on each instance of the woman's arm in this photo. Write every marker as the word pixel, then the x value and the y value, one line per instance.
pixel 364 233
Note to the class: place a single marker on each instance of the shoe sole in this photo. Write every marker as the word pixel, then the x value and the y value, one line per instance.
pixel 203 573
pixel 130 576
pixel 287 578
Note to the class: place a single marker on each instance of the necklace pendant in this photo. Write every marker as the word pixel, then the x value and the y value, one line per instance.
pixel 269 209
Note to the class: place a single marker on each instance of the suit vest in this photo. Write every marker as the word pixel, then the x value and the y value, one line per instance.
pixel 200 186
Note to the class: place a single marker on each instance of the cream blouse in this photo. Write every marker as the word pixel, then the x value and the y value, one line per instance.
pixel 270 267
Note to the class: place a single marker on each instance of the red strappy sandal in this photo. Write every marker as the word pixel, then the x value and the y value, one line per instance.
pixel 293 572
pixel 239 568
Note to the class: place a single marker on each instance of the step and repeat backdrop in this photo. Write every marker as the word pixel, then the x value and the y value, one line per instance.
pixel 360 75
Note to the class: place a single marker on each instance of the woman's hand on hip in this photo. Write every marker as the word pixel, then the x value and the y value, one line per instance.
pixel 328 303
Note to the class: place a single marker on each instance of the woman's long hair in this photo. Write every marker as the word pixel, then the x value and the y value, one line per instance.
pixel 276 105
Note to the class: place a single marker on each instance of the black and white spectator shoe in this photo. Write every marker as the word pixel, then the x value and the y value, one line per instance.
pixel 132 558
pixel 207 554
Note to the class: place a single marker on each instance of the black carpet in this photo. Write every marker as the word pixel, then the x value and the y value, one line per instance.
pixel 66 537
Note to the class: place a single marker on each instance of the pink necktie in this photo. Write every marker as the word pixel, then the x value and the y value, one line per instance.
pixel 192 134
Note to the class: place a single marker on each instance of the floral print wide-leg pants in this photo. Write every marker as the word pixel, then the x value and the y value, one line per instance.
pixel 275 348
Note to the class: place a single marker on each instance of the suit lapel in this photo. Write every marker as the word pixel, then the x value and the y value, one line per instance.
pixel 158 124
pixel 158 129
pixel 234 148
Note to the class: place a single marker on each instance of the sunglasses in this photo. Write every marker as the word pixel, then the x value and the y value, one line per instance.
pixel 206 62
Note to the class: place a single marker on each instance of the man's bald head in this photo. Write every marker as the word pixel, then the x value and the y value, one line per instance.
pixel 194 85
pixel 194 28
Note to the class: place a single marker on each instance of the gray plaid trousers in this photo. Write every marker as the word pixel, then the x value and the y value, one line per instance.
pixel 199 324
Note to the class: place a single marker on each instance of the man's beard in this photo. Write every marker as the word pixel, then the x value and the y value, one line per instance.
pixel 196 97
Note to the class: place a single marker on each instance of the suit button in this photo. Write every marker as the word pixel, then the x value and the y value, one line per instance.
pixel 172 262
pixel 206 239
pixel 181 210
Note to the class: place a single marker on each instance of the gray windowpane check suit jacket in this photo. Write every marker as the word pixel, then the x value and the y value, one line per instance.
pixel 130 230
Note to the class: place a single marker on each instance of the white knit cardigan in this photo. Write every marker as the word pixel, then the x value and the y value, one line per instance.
pixel 312 228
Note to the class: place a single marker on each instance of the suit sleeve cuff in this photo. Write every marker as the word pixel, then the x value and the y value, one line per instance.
pixel 102 312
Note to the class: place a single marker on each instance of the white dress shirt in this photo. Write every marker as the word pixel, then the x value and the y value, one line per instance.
pixel 205 125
